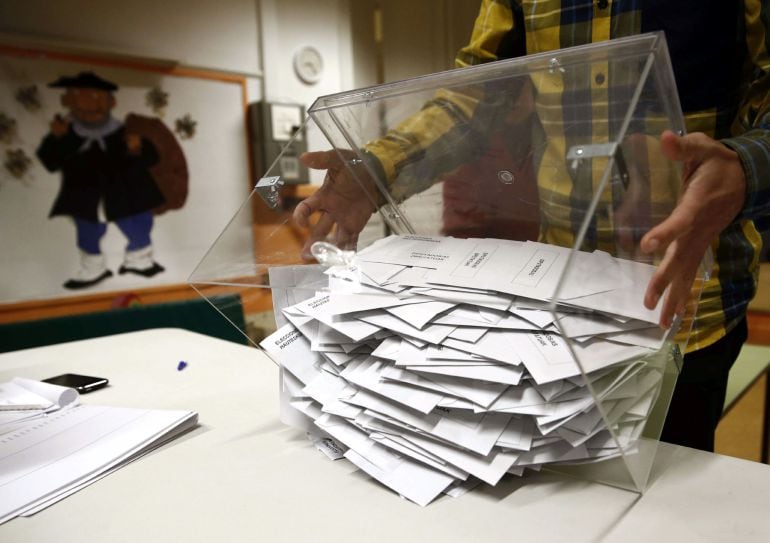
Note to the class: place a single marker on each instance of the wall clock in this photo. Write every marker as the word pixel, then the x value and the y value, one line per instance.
pixel 308 64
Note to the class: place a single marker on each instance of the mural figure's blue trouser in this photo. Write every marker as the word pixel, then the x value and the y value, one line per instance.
pixel 136 228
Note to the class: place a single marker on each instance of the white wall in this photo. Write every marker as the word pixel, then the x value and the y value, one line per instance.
pixel 254 38
pixel 289 25
pixel 221 34
pixel 258 37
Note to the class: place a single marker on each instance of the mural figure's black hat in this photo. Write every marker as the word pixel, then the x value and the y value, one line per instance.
pixel 84 80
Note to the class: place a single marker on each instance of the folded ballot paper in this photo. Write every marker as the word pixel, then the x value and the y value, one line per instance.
pixel 435 364
pixel 51 445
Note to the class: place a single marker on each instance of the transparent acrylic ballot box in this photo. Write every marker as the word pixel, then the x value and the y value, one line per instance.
pixel 467 298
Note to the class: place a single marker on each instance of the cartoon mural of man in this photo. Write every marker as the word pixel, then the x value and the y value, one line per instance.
pixel 106 177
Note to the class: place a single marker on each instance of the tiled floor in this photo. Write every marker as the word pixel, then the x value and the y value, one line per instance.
pixel 740 432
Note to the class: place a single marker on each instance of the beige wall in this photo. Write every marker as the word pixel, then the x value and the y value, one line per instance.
pixel 417 37
pixel 424 37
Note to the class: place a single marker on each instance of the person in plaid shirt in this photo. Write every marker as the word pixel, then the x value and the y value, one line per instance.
pixel 719 53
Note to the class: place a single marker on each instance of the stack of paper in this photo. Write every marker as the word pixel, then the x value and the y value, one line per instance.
pixel 22 401
pixel 51 446
pixel 436 363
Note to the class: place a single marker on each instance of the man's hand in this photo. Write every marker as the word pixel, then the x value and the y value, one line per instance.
pixel 341 201
pixel 59 126
pixel 713 194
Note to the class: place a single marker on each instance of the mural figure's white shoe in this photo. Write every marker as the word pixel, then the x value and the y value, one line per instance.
pixel 93 270
pixel 140 262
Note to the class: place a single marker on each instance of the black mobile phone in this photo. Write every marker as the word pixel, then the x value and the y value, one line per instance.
pixel 81 383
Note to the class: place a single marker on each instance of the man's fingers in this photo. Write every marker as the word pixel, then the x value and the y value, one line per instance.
pixel 659 237
pixel 676 300
pixel 303 211
pixel 671 146
pixel 318 232
pixel 655 291
pixel 674 277
pixel 321 160
pixel 690 148
pixel 322 228
pixel 345 239
pixel 655 288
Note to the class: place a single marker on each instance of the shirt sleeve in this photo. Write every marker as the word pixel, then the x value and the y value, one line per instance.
pixel 752 124
pixel 498 33
pixel 449 114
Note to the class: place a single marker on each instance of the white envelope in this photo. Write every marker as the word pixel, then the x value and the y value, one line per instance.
pixel 304 323
pixel 501 302
pixel 413 480
pixel 476 432
pixel 421 313
pixel 651 338
pixel 520 399
pixel 627 301
pixel 404 376
pixel 509 375
pixel 539 317
pixel 411 250
pixel 291 390
pixel 593 324
pixel 388 348
pixel 317 307
pixel 468 334
pixel 547 357
pixel 371 422
pixel 489 468
pixel 330 391
pixel 341 304
pixel 327 338
pixel 494 345
pixel 433 333
pixel 292 351
pixel 560 451
pixel 368 374
pixel 443 352
pixel 379 272
pixel 339 359
pixel 482 393
pixel 517 435
pixel 396 443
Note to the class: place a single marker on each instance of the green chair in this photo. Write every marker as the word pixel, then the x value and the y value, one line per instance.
pixel 196 315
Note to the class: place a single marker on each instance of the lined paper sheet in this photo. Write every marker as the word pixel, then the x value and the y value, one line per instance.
pixel 42 462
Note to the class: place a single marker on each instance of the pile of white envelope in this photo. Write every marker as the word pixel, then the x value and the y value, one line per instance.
pixel 435 363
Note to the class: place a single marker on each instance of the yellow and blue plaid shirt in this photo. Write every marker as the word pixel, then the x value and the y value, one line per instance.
pixel 719 52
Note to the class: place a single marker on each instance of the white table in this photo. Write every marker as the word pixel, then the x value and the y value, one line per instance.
pixel 244 476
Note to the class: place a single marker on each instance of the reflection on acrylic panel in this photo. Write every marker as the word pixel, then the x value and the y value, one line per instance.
pixel 114 177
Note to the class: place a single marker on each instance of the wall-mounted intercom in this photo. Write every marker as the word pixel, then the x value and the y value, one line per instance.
pixel 276 128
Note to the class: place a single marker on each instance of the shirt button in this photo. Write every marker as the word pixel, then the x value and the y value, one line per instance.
pixel 602 4
pixel 599 79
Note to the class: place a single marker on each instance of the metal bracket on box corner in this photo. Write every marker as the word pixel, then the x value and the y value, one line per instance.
pixel 577 154
pixel 268 189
